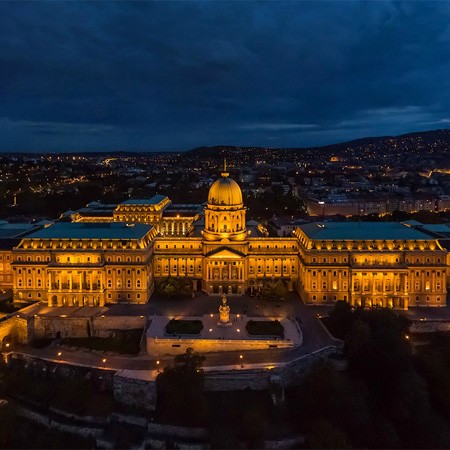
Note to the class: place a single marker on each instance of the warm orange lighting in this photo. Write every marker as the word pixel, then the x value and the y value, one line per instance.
pixel 59 353
pixel 103 360
pixel 238 330
pixel 241 356
pixel 210 329
pixel 7 345
pixel 406 336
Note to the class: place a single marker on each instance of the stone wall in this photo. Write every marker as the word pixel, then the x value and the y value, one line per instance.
pixel 13 329
pixel 61 327
pixel 139 393
pixel 429 326
pixel 172 346
pixel 104 326
pixel 238 380
pixel 72 326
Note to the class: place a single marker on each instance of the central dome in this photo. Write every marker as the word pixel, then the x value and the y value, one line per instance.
pixel 225 192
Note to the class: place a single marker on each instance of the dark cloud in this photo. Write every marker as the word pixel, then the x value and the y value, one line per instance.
pixel 173 75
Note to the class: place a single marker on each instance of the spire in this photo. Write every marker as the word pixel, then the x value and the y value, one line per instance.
pixel 225 173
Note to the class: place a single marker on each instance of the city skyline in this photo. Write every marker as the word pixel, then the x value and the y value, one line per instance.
pixel 178 75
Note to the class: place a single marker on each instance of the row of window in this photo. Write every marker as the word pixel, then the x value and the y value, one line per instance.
pixel 71 259
pixel 66 285
pixel 271 247
pixel 182 246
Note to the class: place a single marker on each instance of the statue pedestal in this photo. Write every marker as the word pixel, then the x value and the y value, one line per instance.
pixel 224 313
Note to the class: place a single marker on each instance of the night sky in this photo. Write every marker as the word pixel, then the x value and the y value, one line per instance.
pixel 172 75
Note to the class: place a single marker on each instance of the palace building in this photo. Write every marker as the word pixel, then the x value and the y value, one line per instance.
pixel 114 253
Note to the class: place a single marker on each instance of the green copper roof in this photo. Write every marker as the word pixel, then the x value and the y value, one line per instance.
pixel 361 231
pixel 79 230
pixel 145 201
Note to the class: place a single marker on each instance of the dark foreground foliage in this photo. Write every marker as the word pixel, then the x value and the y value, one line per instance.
pixel 388 397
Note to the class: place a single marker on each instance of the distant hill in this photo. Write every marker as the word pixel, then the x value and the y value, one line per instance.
pixel 435 141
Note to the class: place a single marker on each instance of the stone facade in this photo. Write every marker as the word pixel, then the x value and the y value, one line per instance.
pixel 384 264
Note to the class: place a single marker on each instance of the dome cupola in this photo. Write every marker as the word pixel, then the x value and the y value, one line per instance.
pixel 225 192
pixel 225 211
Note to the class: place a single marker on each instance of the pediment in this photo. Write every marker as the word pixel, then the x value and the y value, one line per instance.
pixel 224 253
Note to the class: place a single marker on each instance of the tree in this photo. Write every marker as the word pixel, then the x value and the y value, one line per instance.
pixel 181 399
pixel 171 287
pixel 274 290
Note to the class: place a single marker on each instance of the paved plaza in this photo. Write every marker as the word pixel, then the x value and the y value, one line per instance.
pixel 315 335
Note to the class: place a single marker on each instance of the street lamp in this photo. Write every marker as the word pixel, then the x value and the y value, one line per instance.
pixel 157 364
pixel 241 357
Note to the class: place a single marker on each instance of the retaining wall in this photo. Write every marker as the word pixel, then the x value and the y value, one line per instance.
pixel 173 346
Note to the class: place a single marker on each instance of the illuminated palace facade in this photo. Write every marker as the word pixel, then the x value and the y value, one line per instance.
pixel 111 257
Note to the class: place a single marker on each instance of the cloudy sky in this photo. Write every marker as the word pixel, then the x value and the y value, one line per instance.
pixel 173 75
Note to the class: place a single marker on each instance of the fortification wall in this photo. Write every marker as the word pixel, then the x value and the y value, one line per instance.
pixel 135 392
pixel 13 329
pixel 77 327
